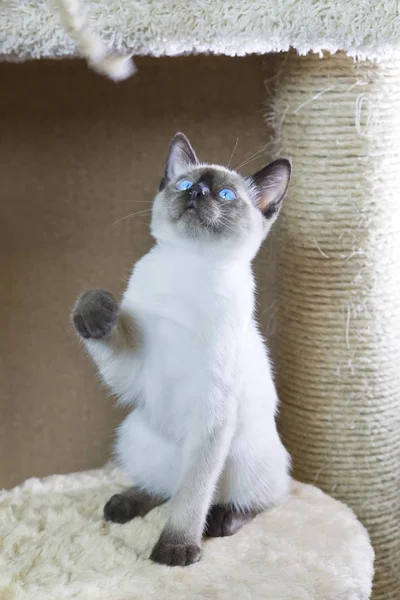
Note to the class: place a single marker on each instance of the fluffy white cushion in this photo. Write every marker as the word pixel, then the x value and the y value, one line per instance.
pixel 55 545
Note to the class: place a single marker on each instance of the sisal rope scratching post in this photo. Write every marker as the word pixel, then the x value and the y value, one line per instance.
pixel 338 329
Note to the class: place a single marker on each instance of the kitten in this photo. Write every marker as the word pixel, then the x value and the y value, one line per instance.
pixel 184 350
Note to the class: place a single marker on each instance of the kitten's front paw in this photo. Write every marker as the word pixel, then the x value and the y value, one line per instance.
pixel 170 552
pixel 95 314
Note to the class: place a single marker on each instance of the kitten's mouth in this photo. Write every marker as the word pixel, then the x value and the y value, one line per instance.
pixel 191 215
pixel 190 208
pixel 191 204
pixel 192 212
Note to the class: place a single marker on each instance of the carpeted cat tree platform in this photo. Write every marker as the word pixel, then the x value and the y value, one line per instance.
pixel 333 105
pixel 55 545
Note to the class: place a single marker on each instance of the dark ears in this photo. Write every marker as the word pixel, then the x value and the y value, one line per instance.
pixel 269 186
pixel 181 156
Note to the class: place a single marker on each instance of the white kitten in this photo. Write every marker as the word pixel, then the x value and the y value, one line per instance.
pixel 184 350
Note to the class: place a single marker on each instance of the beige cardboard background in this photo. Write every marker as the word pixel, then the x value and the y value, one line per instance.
pixel 77 153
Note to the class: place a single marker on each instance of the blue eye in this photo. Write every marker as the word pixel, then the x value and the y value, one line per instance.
pixel 227 194
pixel 184 184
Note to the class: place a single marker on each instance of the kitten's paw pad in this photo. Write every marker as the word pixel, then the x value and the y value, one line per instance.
pixel 121 509
pixel 223 521
pixel 95 314
pixel 174 554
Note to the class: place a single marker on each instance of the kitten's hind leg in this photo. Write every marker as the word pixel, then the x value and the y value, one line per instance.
pixel 131 503
pixel 224 520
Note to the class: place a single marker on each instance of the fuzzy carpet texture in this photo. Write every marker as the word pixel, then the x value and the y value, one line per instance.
pixel 54 545
pixel 366 28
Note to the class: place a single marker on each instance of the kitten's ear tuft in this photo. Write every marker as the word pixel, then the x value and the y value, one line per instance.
pixel 269 186
pixel 181 156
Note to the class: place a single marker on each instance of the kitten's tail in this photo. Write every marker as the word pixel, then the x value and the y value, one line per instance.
pixel 99 58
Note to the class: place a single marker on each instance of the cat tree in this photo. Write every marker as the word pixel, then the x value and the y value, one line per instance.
pixel 335 111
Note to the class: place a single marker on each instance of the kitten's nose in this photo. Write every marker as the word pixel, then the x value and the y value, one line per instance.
pixel 198 190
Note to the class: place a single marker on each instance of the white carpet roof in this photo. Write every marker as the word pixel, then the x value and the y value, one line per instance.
pixel 362 28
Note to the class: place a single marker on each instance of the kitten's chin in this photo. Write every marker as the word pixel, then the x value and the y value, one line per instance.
pixel 188 231
pixel 189 213
pixel 192 224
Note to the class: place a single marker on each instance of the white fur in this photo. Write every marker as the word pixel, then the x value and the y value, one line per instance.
pixel 103 61
pixel 204 425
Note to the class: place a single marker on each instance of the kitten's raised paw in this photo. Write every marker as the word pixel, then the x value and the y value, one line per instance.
pixel 172 553
pixel 95 314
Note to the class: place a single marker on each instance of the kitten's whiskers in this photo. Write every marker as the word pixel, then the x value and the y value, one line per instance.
pixel 140 212
pixel 257 154
pixel 233 152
